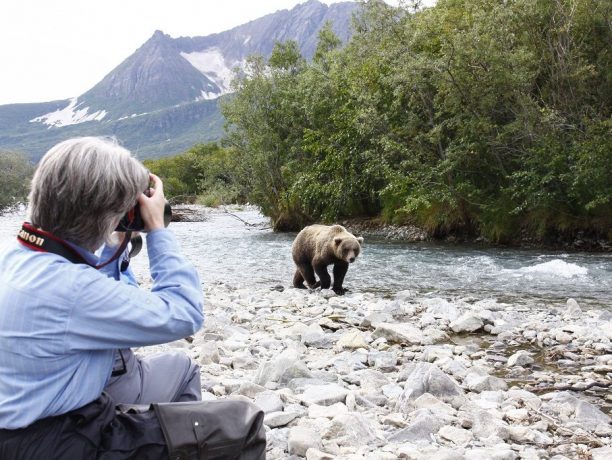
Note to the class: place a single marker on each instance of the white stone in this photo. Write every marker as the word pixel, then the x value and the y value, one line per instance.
pixel 468 322
pixel 316 410
pixel 398 333
pixel 324 395
pixel 458 436
pixel 316 454
pixel 352 340
pixel 302 438
pixel 280 418
pixel 520 358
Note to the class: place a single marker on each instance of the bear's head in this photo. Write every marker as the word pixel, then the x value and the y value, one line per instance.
pixel 347 247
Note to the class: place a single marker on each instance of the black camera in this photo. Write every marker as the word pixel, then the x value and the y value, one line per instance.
pixel 132 221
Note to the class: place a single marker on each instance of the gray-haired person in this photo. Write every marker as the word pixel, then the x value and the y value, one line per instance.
pixel 70 313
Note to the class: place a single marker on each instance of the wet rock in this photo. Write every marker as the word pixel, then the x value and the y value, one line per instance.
pixel 520 358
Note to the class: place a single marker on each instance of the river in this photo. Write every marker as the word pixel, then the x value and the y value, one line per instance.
pixel 226 250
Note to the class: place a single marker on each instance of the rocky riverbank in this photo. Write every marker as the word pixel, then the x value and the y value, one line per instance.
pixel 364 376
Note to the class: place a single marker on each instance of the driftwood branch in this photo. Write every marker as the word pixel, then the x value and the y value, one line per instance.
pixel 248 224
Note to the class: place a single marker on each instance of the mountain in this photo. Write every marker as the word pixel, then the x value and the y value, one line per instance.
pixel 165 97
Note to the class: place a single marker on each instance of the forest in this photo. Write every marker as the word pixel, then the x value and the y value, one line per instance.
pixel 477 118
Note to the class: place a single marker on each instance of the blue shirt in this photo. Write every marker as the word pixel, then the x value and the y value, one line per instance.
pixel 61 323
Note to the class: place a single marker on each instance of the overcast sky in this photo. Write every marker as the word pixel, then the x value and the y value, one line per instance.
pixel 56 49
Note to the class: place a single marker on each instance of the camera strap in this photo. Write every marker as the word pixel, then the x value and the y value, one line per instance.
pixel 42 241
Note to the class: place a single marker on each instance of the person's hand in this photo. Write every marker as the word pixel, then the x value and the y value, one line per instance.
pixel 152 206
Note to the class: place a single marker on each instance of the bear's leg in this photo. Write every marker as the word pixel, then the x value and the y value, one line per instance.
pixel 298 280
pixel 324 278
pixel 307 274
pixel 340 269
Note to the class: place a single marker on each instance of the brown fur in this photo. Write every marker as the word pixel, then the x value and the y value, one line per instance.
pixel 318 246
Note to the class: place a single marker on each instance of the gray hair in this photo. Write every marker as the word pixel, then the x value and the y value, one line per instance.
pixel 82 187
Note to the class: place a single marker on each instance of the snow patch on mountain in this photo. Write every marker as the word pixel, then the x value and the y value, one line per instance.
pixel 212 64
pixel 69 115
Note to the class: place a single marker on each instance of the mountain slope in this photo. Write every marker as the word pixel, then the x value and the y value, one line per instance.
pixel 164 97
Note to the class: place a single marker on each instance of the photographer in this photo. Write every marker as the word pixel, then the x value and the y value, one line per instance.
pixel 68 320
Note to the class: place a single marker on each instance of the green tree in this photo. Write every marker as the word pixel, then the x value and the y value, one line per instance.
pixel 17 171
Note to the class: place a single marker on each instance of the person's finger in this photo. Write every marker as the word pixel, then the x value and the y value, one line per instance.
pixel 157 182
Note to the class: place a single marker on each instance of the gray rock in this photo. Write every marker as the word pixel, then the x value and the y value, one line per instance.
pixel 368 379
pixel 315 336
pixel 458 436
pixel 316 454
pixel 352 340
pixel 268 401
pixel 385 361
pixel 520 358
pixel 280 418
pixel 573 310
pixel 485 424
pixel 502 452
pixel 601 453
pixel 434 405
pixel 375 318
pixel 424 452
pixel 282 369
pixel 468 322
pixel 351 429
pixel 324 395
pixel 316 410
pixel 302 438
pixel 398 333
pixel 442 309
pixel 208 353
pixel 420 429
pixel 250 389
pixel 477 379
pixel 433 353
pixel 424 378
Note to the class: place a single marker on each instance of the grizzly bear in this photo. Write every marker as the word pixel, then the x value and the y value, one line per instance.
pixel 318 246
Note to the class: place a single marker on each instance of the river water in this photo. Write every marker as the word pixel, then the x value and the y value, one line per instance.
pixel 226 250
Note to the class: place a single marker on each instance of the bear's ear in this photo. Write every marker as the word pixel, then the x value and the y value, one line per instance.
pixel 360 239
pixel 337 241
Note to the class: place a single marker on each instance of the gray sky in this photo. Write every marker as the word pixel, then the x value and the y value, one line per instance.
pixel 56 49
